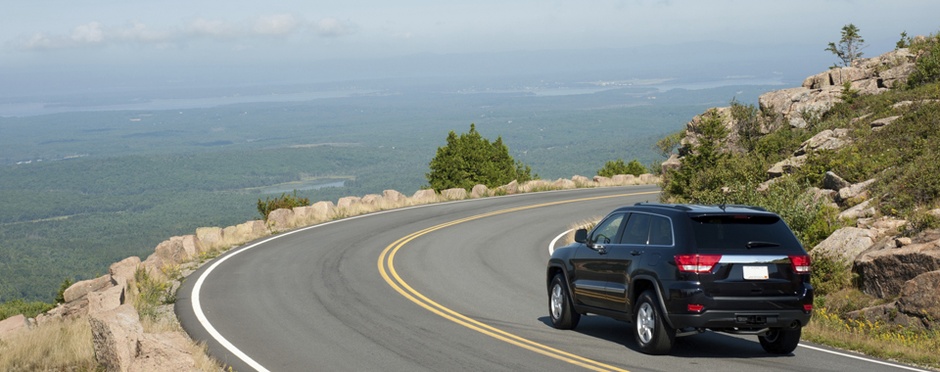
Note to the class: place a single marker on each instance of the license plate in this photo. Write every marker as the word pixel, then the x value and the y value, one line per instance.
pixel 756 273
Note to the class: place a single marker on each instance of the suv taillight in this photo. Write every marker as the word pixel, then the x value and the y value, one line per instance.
pixel 800 264
pixel 697 263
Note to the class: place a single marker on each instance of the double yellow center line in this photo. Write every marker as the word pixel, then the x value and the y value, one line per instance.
pixel 386 265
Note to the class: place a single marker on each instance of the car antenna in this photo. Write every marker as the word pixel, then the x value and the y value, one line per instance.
pixel 724 201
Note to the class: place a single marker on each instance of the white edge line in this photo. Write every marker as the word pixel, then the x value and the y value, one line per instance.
pixel 551 250
pixel 551 246
pixel 899 366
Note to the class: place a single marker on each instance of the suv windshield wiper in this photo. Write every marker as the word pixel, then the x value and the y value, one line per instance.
pixel 760 244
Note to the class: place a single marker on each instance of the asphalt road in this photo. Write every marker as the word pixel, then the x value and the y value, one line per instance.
pixel 446 287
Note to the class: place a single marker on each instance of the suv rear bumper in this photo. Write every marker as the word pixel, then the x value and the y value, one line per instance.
pixel 727 312
pixel 724 319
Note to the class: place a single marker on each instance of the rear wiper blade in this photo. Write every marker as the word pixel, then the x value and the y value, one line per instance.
pixel 760 244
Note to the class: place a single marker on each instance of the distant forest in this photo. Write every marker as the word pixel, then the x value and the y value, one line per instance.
pixel 82 190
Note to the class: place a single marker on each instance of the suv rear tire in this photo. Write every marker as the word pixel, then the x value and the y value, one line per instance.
pixel 652 333
pixel 560 307
pixel 780 341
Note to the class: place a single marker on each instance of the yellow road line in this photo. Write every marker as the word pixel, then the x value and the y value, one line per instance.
pixel 386 266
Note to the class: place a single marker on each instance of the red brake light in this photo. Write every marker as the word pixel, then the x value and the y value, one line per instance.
pixel 800 264
pixel 697 263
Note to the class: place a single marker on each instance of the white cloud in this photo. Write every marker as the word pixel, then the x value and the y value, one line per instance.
pixel 98 34
pixel 278 24
pixel 89 33
pixel 332 27
pixel 38 41
pixel 139 32
pixel 211 28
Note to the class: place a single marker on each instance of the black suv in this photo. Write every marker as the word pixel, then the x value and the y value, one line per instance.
pixel 677 270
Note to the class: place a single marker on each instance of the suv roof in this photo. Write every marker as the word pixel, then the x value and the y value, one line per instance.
pixel 697 209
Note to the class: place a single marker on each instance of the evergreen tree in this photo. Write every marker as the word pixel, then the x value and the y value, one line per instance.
pixel 469 159
pixel 849 47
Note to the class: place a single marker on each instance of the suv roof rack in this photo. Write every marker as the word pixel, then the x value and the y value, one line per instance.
pixel 700 207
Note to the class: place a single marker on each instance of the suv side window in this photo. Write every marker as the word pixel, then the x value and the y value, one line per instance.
pixel 646 229
pixel 661 231
pixel 608 230
pixel 638 229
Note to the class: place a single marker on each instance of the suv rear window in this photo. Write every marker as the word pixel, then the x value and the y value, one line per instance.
pixel 721 232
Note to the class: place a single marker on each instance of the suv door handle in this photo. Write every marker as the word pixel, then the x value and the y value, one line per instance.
pixel 636 253
pixel 600 249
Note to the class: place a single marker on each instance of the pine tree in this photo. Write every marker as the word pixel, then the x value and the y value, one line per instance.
pixel 469 159
pixel 849 47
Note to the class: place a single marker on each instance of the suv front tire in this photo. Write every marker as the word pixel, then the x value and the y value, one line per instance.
pixel 559 305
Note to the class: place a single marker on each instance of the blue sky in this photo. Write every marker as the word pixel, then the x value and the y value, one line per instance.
pixel 63 39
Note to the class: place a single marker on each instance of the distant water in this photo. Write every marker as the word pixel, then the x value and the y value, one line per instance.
pixel 302 186
pixel 26 106
pixel 32 108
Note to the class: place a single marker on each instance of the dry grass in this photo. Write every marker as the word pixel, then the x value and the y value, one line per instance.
pixel 200 354
pixel 877 339
pixel 584 224
pixel 55 346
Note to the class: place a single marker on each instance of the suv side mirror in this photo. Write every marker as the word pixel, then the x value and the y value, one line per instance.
pixel 580 236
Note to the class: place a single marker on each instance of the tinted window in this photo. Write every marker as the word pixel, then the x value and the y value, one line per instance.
pixel 647 229
pixel 606 231
pixel 638 229
pixel 737 231
pixel 660 231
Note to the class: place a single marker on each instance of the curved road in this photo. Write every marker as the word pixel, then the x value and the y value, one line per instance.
pixel 454 286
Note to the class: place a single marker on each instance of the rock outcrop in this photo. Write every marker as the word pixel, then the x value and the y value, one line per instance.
pixel 121 345
pixel 115 335
pixel 822 91
pixel 884 272
pixel 11 325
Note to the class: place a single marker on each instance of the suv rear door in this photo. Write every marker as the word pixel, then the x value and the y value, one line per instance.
pixel 645 237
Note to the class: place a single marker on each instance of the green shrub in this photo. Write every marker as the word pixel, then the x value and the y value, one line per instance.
pixel 927 66
pixel 696 176
pixel 748 120
pixel 29 309
pixel 284 201
pixel 613 168
pixel 60 295
pixel 152 292
pixel 830 275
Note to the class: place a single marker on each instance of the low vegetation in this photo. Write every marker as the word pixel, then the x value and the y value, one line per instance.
pixel 615 167
pixel 63 346
pixel 288 201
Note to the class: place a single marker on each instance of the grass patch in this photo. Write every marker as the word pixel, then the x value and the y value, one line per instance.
pixel 29 309
pixel 58 346
pixel 876 339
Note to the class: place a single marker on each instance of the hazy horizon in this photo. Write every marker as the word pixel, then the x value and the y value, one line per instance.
pixel 58 52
